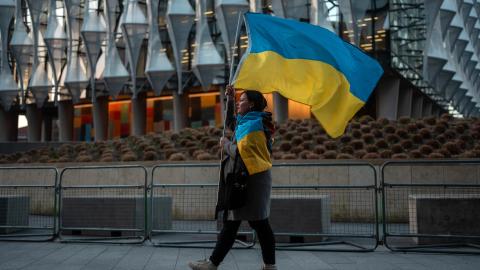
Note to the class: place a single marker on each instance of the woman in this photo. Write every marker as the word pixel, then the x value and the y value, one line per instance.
pixel 252 143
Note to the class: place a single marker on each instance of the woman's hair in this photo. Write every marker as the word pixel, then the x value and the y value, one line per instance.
pixel 258 100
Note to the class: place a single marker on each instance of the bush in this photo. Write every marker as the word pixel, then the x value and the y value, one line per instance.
pixel 150 155
pixel 347 149
pixel 356 134
pixel 404 120
pixel 381 143
pixel 397 148
pixel 400 156
pixel 377 133
pixel 205 156
pixel 346 138
pixel 435 155
pixel 177 157
pixel 129 156
pixel 84 158
pixel 360 153
pixel 425 150
pixel 386 153
pixel 357 144
pixel 433 143
pixel 344 156
pixel 296 149
pixel 296 140
pixel 313 156
pixel 365 129
pixel 416 154
pixel 425 133
pixel 307 136
pixel 285 146
pixel 389 129
pixel 392 138
pixel 289 156
pixel 371 156
pixel 330 145
pixel 319 149
pixel 406 144
pixel 330 154
pixel 368 138
pixel 304 154
pixel 430 121
pixel 402 133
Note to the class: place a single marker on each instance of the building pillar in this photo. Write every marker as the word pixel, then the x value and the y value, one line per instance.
pixel 34 118
pixel 405 102
pixel 139 115
pixel 180 110
pixel 280 108
pixel 8 125
pixel 47 128
pixel 387 97
pixel 435 111
pixel 417 104
pixel 426 107
pixel 100 118
pixel 65 120
pixel 223 104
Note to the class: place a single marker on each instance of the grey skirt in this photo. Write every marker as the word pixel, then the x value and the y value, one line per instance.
pixel 259 187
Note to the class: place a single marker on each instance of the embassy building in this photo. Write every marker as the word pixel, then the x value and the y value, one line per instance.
pixel 84 70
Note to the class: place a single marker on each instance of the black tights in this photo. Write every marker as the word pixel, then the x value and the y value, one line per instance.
pixel 226 238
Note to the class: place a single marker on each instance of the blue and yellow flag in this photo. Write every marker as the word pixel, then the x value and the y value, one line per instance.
pixel 252 143
pixel 308 64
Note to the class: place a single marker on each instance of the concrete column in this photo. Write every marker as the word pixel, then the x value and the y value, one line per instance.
pixel 34 118
pixel 280 108
pixel 426 108
pixel 435 111
pixel 417 104
pixel 65 120
pixel 405 102
pixel 8 125
pixel 180 110
pixel 139 115
pixel 223 104
pixel 100 118
pixel 387 97
pixel 47 128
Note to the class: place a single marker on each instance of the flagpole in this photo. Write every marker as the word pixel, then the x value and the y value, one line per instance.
pixel 232 60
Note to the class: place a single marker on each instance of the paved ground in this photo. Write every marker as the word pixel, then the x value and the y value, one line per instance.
pixel 53 256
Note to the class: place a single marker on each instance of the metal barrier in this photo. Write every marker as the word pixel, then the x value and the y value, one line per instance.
pixel 183 215
pixel 336 211
pixel 431 206
pixel 103 204
pixel 28 203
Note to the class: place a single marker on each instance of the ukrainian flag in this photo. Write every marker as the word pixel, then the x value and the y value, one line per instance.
pixel 308 64
pixel 252 142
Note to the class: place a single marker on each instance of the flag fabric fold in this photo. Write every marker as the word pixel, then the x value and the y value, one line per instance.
pixel 307 64
pixel 252 142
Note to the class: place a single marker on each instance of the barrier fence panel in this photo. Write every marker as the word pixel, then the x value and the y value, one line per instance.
pixel 431 206
pixel 183 199
pixel 103 204
pixel 28 203
pixel 325 206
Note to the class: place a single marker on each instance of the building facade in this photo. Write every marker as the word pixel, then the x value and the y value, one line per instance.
pixel 99 69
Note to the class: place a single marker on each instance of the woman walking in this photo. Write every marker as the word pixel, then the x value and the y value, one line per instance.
pixel 249 150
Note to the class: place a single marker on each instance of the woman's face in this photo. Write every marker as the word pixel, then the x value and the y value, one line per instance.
pixel 243 105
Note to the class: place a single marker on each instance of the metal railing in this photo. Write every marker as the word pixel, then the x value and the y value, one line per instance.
pixel 103 204
pixel 431 206
pixel 28 203
pixel 337 212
